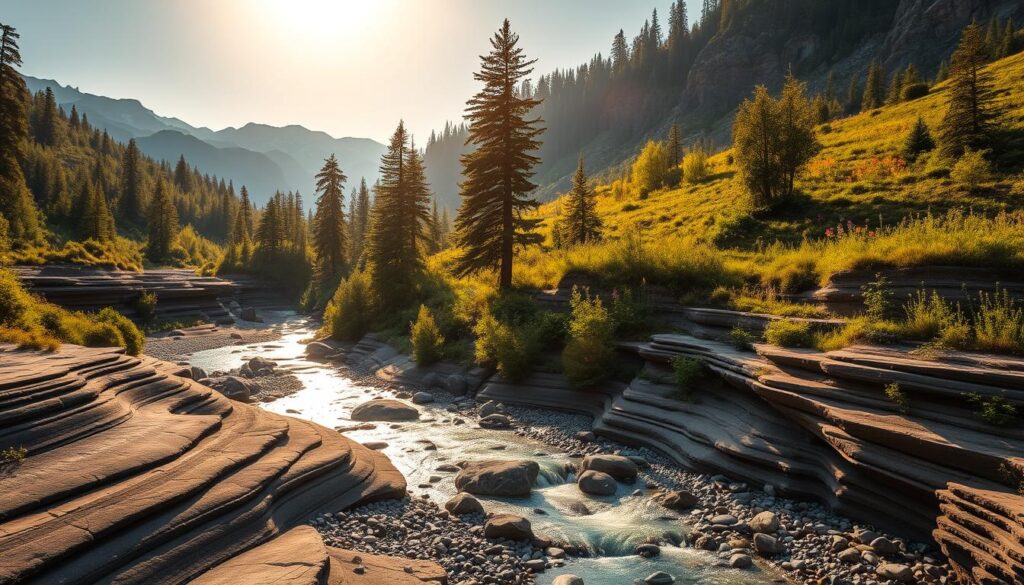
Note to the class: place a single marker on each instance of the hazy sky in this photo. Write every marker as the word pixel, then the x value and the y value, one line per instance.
pixel 348 67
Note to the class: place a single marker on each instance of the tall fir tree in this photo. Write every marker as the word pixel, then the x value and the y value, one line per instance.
pixel 47 130
pixel 581 224
pixel 674 145
pixel 968 121
pixel 163 223
pixel 183 176
pixel 496 186
pixel 874 87
pixel 97 222
pixel 17 206
pixel 246 221
pixel 620 52
pixel 361 219
pixel 417 202
pixel 131 199
pixel 853 96
pixel 329 221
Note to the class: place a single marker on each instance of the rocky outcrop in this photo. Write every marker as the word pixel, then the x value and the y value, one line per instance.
pixel 982 533
pixel 385 409
pixel 136 475
pixel 497 478
pixel 372 355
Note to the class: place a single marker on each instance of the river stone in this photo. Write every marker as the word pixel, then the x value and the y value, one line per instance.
pixel 508 526
pixel 660 578
pixel 579 509
pixel 647 551
pixel 422 398
pixel 497 477
pixel 850 555
pixel 740 561
pixel 586 436
pixel 884 546
pixel 249 314
pixel 232 387
pixel 491 407
pixel 375 445
pixel 257 364
pixel 567 580
pixel 724 519
pixel 617 466
pixel 495 422
pixel 464 503
pixel 197 373
pixel 766 522
pixel 457 385
pixel 318 349
pixel 767 545
pixel 678 500
pixel 596 483
pixel 384 410
pixel 900 573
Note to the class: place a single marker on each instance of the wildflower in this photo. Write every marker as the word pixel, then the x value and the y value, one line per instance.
pixel 829 232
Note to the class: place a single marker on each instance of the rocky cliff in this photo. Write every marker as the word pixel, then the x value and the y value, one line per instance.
pixel 135 475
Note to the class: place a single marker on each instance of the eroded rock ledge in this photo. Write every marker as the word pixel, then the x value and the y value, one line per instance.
pixel 135 475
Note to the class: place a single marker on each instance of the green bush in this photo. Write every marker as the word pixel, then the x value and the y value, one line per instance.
pixel 132 338
pixel 930 316
pixel 686 373
pixel 103 335
pixel 695 166
pixel 510 350
pixel 349 314
pixel 995 410
pixel 898 397
pixel 998 323
pixel 145 306
pixel 786 333
pixel 914 91
pixel 971 169
pixel 628 315
pixel 742 339
pixel 879 298
pixel 425 336
pixel 13 455
pixel 589 353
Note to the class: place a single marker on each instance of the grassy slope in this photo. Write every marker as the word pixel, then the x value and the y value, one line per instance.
pixel 830 193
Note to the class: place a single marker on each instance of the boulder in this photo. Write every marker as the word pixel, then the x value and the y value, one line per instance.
pixel 659 578
pixel 647 550
pixel 249 314
pixel 508 526
pixel 260 363
pixel 849 555
pixel 740 561
pixel 586 436
pixel 463 503
pixel 579 509
pixel 617 466
pixel 384 410
pixel 596 483
pixel 491 407
pixel 457 385
pixel 232 387
pixel 567 580
pixel 495 422
pixel 767 545
pixel 884 546
pixel 317 349
pixel 766 522
pixel 678 500
pixel 422 398
pixel 197 373
pixel 497 477
pixel 898 573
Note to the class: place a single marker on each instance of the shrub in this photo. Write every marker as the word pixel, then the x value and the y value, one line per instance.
pixel 425 336
pixel 859 330
pixel 742 339
pixel 998 323
pixel 879 298
pixel 930 316
pixel 29 339
pixel 898 397
pixel 551 328
pixel 786 333
pixel 994 410
pixel 349 314
pixel 695 166
pixel 103 335
pixel 589 353
pixel 686 373
pixel 628 315
pixel 15 302
pixel 971 169
pixel 795 278
pixel 509 349
pixel 721 296
pixel 13 455
pixel 145 306
pixel 914 91
pixel 132 339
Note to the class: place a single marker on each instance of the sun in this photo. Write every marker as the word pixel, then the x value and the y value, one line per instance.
pixel 322 22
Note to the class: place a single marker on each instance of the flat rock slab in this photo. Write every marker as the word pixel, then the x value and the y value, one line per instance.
pixel 497 477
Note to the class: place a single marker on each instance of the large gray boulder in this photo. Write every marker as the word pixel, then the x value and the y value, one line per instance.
pixel 497 477
pixel 766 522
pixel 491 407
pixel 508 526
pixel 596 483
pixel 232 387
pixel 457 384
pixel 495 422
pixel 318 349
pixel 617 466
pixel 385 410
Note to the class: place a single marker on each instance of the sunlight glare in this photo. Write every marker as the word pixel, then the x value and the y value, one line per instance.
pixel 323 22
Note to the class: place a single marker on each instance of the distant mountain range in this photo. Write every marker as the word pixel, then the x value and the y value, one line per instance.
pixel 261 157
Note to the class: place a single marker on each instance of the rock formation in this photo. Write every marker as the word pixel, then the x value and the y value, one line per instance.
pixel 136 475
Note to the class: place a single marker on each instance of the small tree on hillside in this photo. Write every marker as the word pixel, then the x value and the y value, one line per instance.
pixel 919 140
pixel 967 124
pixel 581 223
pixel 650 169
pixel 874 87
pixel 329 220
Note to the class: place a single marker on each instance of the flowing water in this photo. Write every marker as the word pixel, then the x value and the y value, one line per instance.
pixel 617 523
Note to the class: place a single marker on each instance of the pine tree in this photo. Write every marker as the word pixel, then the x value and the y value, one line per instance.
pixel 581 224
pixel 329 221
pixel 271 233
pixel 895 93
pixel 97 222
pixel 943 72
pixel 245 223
pixel 131 199
pixel 918 140
pixel 674 146
pixel 874 87
pixel 47 130
pixel 967 123
pixel 853 96
pixel 620 53
pixel 830 87
pixel 1006 47
pixel 16 203
pixel 163 224
pixel 75 122
pixel 497 174
pixel 360 220
pixel 183 176
pixel 417 203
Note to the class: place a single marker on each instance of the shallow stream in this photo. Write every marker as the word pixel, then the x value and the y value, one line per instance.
pixel 617 524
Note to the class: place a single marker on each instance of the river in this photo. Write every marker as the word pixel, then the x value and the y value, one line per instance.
pixel 618 522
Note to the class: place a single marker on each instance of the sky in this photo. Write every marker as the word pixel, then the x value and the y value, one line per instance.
pixel 347 67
